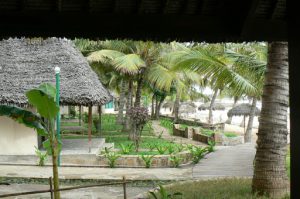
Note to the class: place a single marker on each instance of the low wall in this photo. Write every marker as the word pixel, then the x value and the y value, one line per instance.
pixel 136 160
pixel 215 126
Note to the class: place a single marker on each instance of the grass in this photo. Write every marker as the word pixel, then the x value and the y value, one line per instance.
pixel 230 188
pixel 230 134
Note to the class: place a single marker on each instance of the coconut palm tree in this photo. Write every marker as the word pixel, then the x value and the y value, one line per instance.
pixel 270 172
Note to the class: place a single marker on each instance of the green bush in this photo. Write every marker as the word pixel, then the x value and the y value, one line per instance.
pixel 42 156
pixel 197 153
pixel 175 160
pixel 147 159
pixel 126 148
pixel 111 157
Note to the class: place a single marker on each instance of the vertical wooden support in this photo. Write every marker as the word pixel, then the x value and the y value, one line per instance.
pixel 100 115
pixel 90 127
pixel 51 189
pixel 124 187
pixel 80 115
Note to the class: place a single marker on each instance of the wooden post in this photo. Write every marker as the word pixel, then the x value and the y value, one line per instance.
pixel 244 124
pixel 80 115
pixel 100 115
pixel 51 190
pixel 90 128
pixel 124 187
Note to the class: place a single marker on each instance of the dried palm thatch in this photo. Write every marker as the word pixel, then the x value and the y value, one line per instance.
pixel 168 105
pixel 242 110
pixel 26 63
pixel 192 104
pixel 187 108
pixel 217 106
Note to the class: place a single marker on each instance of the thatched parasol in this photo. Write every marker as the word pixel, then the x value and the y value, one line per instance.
pixel 242 110
pixel 169 105
pixel 217 106
pixel 192 104
pixel 26 63
pixel 187 108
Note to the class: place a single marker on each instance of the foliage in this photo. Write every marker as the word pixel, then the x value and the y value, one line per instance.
pixel 230 134
pixel 126 148
pixel 179 147
pixel 147 160
pixel 163 194
pixel 111 157
pixel 42 156
pixel 151 146
pixel 168 124
pixel 171 148
pixel 161 148
pixel 228 188
pixel 211 146
pixel 197 153
pixel 72 112
pixel 175 160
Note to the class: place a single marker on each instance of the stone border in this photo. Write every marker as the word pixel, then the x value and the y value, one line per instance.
pixel 158 161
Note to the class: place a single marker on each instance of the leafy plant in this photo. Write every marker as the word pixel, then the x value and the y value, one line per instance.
pixel 147 160
pixel 151 146
pixel 179 147
pixel 161 149
pixel 72 112
pixel 211 146
pixel 163 194
pixel 42 156
pixel 43 99
pixel 171 148
pixel 175 160
pixel 126 149
pixel 111 157
pixel 197 153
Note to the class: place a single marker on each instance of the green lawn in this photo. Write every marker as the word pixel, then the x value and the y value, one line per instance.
pixel 231 188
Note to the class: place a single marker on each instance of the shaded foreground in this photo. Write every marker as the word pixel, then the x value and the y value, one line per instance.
pixel 230 188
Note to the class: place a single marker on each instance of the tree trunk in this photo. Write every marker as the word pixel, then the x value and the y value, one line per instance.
pixel 213 99
pixel 270 175
pixel 126 127
pixel 176 107
pixel 138 95
pixel 80 115
pixel 152 106
pixel 122 99
pixel 157 111
pixel 248 133
pixel 229 120
pixel 53 143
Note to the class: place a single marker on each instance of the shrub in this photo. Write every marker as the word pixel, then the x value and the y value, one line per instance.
pixel 42 156
pixel 147 160
pixel 161 149
pixel 211 146
pixel 180 147
pixel 112 157
pixel 126 149
pixel 163 194
pixel 171 148
pixel 72 112
pixel 197 153
pixel 175 160
pixel 151 146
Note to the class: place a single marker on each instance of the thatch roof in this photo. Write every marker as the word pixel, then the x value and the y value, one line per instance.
pixel 192 104
pixel 168 105
pixel 25 64
pixel 242 110
pixel 187 108
pixel 217 106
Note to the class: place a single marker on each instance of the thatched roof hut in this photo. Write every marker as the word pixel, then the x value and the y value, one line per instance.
pixel 217 106
pixel 192 104
pixel 242 110
pixel 187 108
pixel 168 104
pixel 26 63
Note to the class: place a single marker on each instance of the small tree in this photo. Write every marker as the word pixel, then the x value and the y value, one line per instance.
pixel 41 98
pixel 139 117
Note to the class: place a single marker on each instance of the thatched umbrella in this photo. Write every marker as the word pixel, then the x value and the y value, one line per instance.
pixel 192 104
pixel 216 106
pixel 27 63
pixel 187 108
pixel 168 104
pixel 242 110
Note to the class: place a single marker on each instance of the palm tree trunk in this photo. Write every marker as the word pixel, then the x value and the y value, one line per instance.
pixel 229 120
pixel 210 114
pixel 127 125
pixel 176 107
pixel 138 95
pixel 122 103
pixel 157 111
pixel 270 174
pixel 152 106
pixel 248 133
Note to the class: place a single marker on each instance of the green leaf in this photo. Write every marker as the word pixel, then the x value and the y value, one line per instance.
pixel 47 146
pixel 43 99
pixel 23 116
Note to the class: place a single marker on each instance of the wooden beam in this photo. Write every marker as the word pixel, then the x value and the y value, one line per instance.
pixel 90 123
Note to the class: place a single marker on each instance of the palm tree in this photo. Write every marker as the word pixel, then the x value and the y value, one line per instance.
pixel 269 172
